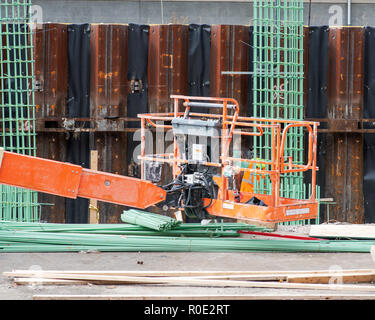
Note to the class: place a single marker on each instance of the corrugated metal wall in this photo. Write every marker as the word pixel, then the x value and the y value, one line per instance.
pixel 170 55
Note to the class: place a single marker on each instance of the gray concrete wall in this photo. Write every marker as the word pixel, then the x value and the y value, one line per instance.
pixel 186 12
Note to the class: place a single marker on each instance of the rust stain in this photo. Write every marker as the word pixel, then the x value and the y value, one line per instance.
pixel 230 52
pixel 108 82
pixel 51 68
pixel 167 65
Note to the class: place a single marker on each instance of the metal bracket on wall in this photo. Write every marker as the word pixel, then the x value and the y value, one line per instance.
pixel 38 85
pixel 136 86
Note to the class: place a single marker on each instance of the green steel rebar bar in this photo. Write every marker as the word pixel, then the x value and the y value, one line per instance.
pixel 22 241
pixel 184 229
pixel 149 220
pixel 17 104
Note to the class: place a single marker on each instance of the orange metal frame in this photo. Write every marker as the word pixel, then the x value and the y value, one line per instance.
pixel 278 209
pixel 72 181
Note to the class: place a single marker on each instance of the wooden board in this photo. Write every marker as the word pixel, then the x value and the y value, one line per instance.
pixel 93 207
pixel 175 273
pixel 228 277
pixel 43 281
pixel 357 231
pixel 333 276
pixel 208 297
pixel 263 224
pixel 177 281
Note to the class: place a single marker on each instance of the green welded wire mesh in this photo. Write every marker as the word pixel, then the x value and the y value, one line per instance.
pixel 278 86
pixel 17 104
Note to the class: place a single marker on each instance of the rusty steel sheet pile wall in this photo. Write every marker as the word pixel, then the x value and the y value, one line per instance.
pixel 51 79
pixel 344 159
pixel 135 68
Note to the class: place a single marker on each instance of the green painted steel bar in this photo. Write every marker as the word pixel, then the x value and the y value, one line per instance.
pixel 124 228
pixel 21 241
pixel 149 220
pixel 17 103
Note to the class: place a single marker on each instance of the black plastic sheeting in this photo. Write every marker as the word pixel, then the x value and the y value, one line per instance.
pixel 369 177
pixel 137 101
pixel 78 145
pixel 318 47
pixel 78 152
pixel 369 139
pixel 79 70
pixel 199 62
pixel 138 51
pixel 320 174
pixel 369 76
pixel 316 103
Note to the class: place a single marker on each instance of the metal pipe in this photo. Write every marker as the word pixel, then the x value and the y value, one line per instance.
pixel 208 105
pixel 349 12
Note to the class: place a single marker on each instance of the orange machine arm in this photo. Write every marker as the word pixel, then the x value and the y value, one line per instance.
pixel 72 181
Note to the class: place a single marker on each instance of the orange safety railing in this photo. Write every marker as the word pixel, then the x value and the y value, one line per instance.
pixel 234 124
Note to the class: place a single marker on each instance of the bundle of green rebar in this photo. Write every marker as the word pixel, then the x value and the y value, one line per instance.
pixel 212 229
pixel 28 241
pixel 149 220
pixel 184 237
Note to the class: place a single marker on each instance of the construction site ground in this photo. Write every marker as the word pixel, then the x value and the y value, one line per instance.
pixel 148 261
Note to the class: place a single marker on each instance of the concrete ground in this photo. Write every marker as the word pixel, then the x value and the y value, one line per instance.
pixel 176 261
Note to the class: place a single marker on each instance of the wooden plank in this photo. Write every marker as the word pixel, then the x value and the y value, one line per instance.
pixel 43 281
pixel 177 281
pixel 359 231
pixel 327 278
pixel 175 273
pixel 227 277
pixel 93 206
pixel 207 297
pixel 264 224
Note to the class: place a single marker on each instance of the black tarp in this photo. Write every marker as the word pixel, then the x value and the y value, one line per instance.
pixel 316 104
pixel 78 146
pixel 369 139
pixel 369 76
pixel 78 152
pixel 199 62
pixel 369 177
pixel 78 70
pixel 138 51
pixel 318 48
pixel 321 164
pixel 137 101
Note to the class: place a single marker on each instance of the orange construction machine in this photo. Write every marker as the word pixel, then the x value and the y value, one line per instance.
pixel 208 177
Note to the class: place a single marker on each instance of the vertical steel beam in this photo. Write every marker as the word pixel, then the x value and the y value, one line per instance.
pixel 230 52
pixel 109 89
pixel 345 103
